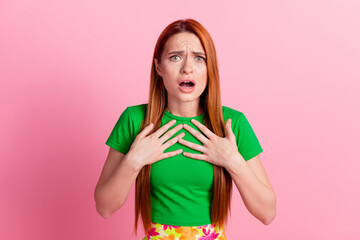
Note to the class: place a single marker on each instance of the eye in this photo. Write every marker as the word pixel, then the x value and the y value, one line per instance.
pixel 203 59
pixel 172 57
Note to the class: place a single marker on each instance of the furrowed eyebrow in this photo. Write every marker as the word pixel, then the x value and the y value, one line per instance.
pixel 196 53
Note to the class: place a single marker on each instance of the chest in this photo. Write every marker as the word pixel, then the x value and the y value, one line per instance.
pixel 182 172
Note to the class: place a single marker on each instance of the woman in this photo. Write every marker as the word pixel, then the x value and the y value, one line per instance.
pixel 184 148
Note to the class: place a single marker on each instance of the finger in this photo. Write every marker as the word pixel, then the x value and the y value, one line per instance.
pixel 170 154
pixel 173 141
pixel 167 135
pixel 196 134
pixel 164 128
pixel 195 156
pixel 145 131
pixel 230 133
pixel 203 128
pixel 192 145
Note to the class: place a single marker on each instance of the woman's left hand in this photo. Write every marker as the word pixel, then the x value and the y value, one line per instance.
pixel 216 150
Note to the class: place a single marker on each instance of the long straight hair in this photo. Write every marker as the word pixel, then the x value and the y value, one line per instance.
pixel 210 102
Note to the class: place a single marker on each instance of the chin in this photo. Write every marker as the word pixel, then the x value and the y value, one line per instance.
pixel 189 98
pixel 185 97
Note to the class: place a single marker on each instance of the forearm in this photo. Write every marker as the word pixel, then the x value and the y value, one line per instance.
pixel 112 194
pixel 258 198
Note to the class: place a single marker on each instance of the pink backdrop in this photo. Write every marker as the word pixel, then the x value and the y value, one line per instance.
pixel 69 68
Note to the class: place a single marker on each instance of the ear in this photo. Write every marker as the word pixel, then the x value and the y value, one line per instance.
pixel 157 67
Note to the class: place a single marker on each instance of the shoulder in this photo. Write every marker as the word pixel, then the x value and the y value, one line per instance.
pixel 232 113
pixel 136 111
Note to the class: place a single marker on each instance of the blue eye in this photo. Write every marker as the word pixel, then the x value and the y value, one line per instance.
pixel 203 59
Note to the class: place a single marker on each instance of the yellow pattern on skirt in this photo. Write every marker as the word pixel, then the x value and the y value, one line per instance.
pixel 167 232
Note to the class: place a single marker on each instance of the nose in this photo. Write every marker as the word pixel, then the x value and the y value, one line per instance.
pixel 187 66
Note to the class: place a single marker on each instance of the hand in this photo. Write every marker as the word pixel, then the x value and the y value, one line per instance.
pixel 216 150
pixel 149 149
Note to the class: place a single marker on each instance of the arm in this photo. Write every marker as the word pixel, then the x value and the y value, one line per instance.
pixel 115 182
pixel 254 187
pixel 249 176
pixel 120 171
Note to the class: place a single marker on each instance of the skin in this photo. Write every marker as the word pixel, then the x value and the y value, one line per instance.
pixel 249 176
pixel 120 171
pixel 176 66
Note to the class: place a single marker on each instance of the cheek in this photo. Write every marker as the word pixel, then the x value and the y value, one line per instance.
pixel 169 72
pixel 202 84
pixel 166 84
pixel 204 71
pixel 169 83
pixel 204 77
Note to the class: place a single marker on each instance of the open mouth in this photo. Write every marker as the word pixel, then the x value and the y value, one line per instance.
pixel 186 84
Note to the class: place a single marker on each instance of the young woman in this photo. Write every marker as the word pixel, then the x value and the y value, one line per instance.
pixel 184 148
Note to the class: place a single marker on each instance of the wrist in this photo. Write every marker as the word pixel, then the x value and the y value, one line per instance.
pixel 132 163
pixel 235 163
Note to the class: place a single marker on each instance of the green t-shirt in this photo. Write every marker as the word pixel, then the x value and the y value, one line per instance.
pixel 181 186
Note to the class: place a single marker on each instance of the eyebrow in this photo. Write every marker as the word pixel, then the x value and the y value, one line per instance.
pixel 178 52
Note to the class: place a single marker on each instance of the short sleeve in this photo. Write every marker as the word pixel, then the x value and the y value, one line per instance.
pixel 247 142
pixel 121 137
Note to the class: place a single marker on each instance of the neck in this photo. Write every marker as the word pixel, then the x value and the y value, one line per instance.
pixel 185 109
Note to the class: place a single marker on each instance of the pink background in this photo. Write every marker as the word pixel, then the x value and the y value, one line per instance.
pixel 69 68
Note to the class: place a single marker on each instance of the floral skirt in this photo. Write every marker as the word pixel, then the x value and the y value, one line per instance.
pixel 167 232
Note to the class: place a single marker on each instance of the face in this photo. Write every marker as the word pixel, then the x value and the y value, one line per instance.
pixel 183 58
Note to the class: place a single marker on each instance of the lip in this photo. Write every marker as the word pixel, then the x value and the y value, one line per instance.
pixel 186 90
pixel 186 79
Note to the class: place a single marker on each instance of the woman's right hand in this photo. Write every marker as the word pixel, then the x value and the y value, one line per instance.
pixel 149 149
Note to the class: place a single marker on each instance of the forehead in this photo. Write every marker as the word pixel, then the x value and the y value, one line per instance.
pixel 183 40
